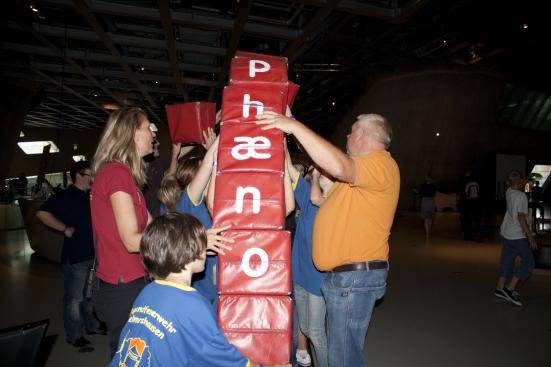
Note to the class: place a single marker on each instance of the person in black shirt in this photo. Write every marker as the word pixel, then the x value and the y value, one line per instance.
pixel 427 192
pixel 69 213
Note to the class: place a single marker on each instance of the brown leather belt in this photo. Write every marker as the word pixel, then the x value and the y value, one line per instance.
pixel 370 265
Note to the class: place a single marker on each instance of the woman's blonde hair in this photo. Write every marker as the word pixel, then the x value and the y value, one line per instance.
pixel 172 185
pixel 117 143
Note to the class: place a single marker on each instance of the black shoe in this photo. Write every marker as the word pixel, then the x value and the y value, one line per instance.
pixel 513 297
pixel 499 293
pixel 80 342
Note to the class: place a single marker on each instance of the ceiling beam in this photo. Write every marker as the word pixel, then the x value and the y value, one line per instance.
pixel 242 15
pixel 186 18
pixel 314 22
pixel 74 108
pixel 108 58
pixel 63 113
pixel 70 61
pixel 374 11
pixel 62 86
pixel 83 8
pixel 166 20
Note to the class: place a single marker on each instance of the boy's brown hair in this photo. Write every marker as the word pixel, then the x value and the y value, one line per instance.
pixel 171 242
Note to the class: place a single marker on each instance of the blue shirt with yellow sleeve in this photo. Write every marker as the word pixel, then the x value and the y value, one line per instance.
pixel 174 325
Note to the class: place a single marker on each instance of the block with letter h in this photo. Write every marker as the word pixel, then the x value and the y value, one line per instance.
pixel 259 326
pixel 243 102
pixel 249 200
pixel 259 263
pixel 246 147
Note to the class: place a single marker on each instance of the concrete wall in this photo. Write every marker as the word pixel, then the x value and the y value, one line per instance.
pixel 461 106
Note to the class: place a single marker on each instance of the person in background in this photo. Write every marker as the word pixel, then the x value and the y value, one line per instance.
pixel 119 215
pixel 69 213
pixel 469 204
pixel 516 240
pixel 171 324
pixel 427 193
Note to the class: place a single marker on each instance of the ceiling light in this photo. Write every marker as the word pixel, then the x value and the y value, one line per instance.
pixel 437 134
pixel 34 9
pixel 332 103
pixel 75 147
pixel 156 82
pixel 525 26
pixel 78 158
pixel 111 106
pixel 142 68
pixel 21 134
pixel 36 147
pixel 95 95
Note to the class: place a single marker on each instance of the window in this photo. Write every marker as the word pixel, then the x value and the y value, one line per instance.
pixel 36 147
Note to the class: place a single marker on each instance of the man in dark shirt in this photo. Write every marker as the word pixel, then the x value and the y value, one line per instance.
pixel 69 212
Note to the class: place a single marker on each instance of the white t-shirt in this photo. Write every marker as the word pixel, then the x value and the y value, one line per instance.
pixel 516 203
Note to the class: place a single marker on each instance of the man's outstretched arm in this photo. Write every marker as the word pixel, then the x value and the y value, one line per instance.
pixel 322 152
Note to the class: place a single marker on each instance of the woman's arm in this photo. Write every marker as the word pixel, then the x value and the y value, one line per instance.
pixel 126 221
pixel 177 152
pixel 197 186
pixel 289 193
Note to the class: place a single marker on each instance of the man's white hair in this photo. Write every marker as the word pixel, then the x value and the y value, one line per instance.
pixel 378 126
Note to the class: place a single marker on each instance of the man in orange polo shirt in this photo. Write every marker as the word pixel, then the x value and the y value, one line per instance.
pixel 351 230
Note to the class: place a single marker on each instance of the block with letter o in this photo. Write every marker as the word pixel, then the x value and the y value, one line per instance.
pixel 259 263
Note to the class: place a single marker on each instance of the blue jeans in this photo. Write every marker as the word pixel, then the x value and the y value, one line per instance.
pixel 77 311
pixel 350 298
pixel 511 249
pixel 311 318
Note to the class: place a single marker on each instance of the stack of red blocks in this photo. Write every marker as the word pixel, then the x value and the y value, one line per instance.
pixel 254 279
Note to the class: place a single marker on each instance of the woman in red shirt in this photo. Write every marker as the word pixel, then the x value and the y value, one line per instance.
pixel 120 215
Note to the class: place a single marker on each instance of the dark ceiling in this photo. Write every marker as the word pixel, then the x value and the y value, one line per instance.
pixel 93 55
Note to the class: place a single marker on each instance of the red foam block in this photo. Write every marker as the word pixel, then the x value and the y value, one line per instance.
pixel 247 67
pixel 242 103
pixel 259 326
pixel 259 263
pixel 249 200
pixel 187 121
pixel 245 147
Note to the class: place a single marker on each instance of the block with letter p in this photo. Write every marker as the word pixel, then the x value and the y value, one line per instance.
pixel 247 67
pixel 249 200
pixel 246 147
pixel 242 103
pixel 259 326
pixel 259 263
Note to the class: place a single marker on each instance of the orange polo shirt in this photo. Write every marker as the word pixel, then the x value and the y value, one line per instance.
pixel 353 224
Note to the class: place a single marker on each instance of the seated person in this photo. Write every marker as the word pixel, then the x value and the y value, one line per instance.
pixel 170 323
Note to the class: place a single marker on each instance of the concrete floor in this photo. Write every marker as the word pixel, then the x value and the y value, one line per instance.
pixel 439 309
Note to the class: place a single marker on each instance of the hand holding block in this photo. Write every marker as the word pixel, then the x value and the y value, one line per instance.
pixel 246 147
pixel 259 263
pixel 247 67
pixel 242 103
pixel 259 326
pixel 248 200
pixel 187 121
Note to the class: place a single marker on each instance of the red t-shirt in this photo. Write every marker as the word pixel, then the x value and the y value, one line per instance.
pixel 114 263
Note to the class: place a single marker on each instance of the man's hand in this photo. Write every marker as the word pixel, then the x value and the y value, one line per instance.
pixel 209 137
pixel 69 231
pixel 270 120
pixel 216 243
